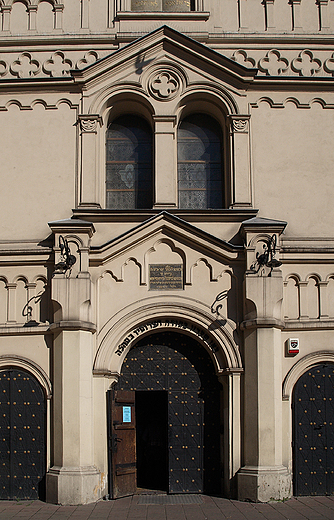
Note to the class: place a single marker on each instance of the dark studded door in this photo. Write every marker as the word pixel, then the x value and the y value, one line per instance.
pixel 22 436
pixel 313 405
pixel 178 366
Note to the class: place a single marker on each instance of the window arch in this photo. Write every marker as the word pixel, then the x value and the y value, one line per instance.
pixel 129 171
pixel 200 180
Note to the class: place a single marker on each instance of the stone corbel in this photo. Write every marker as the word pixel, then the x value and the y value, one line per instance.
pixel 241 189
pixel 89 126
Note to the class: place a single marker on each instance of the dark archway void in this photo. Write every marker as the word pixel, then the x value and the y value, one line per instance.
pixel 177 414
pixel 129 170
pixel 313 420
pixel 22 436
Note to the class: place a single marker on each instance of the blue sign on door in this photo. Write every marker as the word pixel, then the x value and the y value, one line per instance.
pixel 126 413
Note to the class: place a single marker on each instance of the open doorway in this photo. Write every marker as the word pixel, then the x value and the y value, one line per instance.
pixel 151 439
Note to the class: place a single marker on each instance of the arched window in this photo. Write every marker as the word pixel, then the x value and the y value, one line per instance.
pixel 129 179
pixel 200 183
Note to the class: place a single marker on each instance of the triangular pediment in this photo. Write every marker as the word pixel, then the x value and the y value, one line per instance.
pixel 165 226
pixel 167 46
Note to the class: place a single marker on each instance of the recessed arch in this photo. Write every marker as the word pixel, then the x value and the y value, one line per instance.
pixel 118 334
pixel 14 361
pixel 117 100
pixel 209 95
pixel 300 367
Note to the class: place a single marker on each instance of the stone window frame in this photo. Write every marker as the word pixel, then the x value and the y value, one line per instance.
pixel 236 163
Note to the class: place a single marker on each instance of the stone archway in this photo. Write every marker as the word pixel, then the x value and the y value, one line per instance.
pixel 177 413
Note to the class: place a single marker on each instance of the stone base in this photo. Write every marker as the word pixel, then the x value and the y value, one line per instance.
pixel 264 483
pixel 73 486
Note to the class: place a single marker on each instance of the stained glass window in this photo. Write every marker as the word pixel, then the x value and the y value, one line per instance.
pixel 129 180
pixel 199 163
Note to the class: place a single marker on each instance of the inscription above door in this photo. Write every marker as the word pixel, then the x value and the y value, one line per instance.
pixel 164 277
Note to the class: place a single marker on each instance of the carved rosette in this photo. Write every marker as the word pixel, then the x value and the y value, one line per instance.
pixel 164 85
pixel 89 123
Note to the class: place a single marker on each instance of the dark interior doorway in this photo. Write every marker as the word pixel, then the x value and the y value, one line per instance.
pixel 151 439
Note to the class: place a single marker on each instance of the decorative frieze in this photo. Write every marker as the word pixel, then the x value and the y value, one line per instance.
pixel 165 83
pixel 273 64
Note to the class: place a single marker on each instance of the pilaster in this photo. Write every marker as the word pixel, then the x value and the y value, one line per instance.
pixel 72 478
pixel 241 195
pixel 165 167
pixel 89 189
pixel 263 475
pixel 231 462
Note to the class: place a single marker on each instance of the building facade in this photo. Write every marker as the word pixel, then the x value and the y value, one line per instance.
pixel 166 248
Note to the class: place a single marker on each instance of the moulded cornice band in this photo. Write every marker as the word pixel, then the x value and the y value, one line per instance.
pixel 73 325
pixel 259 323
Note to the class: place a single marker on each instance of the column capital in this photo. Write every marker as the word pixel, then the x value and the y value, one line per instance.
pixel 58 8
pixel 89 123
pixel 239 122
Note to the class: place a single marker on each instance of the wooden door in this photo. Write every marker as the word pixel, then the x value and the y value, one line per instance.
pixel 122 444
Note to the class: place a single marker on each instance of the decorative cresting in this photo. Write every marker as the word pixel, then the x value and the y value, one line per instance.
pixel 164 82
pixel 299 368
pixel 123 333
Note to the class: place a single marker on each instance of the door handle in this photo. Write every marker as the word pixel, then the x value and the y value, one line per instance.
pixel 115 440
pixel 319 427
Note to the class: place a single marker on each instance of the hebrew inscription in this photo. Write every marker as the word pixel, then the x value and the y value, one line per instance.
pixel 165 277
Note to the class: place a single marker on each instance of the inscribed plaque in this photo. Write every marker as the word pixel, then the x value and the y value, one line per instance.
pixel 166 277
pixel 176 5
pixel 146 5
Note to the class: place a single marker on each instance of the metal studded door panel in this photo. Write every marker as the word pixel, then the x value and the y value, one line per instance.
pixel 179 365
pixel 22 436
pixel 313 432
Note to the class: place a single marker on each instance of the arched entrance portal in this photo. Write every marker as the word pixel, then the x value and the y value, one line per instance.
pixel 22 442
pixel 313 406
pixel 177 409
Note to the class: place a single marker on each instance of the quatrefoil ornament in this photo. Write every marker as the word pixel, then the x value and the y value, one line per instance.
pixel 164 85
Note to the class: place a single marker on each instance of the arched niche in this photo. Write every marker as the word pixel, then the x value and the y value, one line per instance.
pixel 141 318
